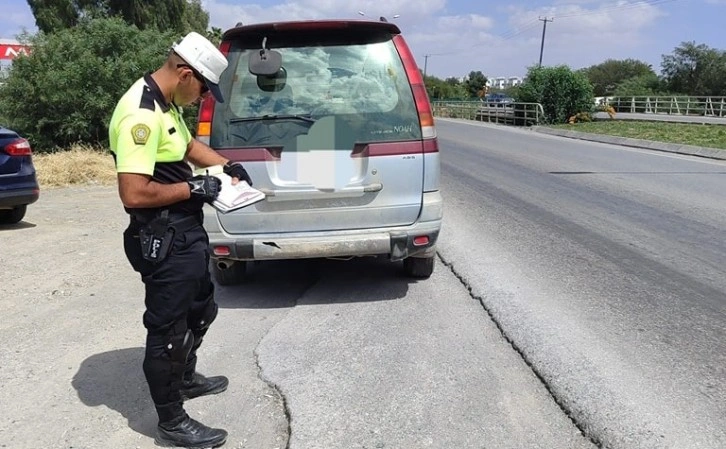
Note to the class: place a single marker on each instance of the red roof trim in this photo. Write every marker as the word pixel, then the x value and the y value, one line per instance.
pixel 306 25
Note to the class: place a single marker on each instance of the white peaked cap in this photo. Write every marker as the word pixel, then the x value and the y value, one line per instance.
pixel 205 58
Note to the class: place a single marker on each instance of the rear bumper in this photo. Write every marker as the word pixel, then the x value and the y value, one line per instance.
pixel 13 198
pixel 396 242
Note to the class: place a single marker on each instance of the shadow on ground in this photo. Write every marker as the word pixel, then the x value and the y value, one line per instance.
pixel 276 284
pixel 115 379
pixel 20 225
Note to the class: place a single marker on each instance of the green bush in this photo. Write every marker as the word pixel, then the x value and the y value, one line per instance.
pixel 561 92
pixel 639 86
pixel 65 91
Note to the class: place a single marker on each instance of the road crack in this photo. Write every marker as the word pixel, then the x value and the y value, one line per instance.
pixel 276 389
pixel 568 412
pixel 278 394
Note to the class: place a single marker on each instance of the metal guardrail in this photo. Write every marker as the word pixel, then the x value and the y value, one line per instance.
pixel 518 114
pixel 669 105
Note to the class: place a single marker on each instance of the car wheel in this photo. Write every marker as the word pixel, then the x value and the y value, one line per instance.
pixel 418 267
pixel 232 274
pixel 14 215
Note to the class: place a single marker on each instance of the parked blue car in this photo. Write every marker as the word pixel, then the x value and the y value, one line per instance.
pixel 18 183
pixel 497 99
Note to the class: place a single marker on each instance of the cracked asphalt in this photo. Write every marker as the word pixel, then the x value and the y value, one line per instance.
pixel 320 354
pixel 576 303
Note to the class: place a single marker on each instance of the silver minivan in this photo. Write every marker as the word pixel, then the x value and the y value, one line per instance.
pixel 332 121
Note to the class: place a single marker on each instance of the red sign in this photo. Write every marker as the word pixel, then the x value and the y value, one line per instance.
pixel 10 51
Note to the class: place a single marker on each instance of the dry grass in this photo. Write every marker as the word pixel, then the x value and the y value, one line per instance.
pixel 80 165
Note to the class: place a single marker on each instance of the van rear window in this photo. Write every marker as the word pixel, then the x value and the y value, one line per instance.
pixel 363 86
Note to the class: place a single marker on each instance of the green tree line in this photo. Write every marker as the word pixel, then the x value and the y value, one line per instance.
pixel 85 56
pixel 691 69
pixel 164 15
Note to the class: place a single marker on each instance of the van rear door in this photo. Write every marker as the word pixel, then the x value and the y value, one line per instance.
pixel 333 139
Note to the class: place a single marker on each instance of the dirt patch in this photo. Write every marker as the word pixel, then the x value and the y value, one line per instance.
pixel 73 340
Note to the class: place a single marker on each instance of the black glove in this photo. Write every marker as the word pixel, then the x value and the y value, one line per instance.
pixel 236 170
pixel 205 187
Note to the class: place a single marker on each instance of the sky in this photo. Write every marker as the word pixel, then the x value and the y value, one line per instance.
pixel 451 38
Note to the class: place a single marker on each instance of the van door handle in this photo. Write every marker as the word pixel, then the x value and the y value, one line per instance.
pixel 346 191
pixel 373 187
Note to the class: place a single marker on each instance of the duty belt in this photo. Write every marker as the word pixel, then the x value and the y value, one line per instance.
pixel 181 222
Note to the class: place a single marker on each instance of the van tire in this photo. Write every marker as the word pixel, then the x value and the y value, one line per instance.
pixel 14 215
pixel 233 275
pixel 419 267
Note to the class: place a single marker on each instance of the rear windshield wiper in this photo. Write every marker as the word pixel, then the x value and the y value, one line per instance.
pixel 272 117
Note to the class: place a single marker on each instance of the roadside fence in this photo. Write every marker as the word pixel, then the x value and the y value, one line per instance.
pixel 668 105
pixel 507 113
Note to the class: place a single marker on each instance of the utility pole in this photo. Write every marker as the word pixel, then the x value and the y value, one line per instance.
pixel 426 60
pixel 544 30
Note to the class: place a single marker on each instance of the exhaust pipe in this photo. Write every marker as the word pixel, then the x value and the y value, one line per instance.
pixel 223 264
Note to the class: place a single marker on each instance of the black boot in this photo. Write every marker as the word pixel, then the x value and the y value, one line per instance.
pixel 176 428
pixel 190 434
pixel 199 385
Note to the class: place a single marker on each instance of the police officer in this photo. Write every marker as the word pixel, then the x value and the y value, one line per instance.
pixel 165 241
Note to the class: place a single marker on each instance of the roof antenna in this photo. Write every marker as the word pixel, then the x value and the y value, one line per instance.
pixel 383 19
pixel 239 24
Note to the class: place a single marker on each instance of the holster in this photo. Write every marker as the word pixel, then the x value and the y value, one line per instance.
pixel 156 238
pixel 157 235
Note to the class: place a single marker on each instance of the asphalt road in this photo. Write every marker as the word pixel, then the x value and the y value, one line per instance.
pixel 604 265
pixel 320 354
pixel 578 302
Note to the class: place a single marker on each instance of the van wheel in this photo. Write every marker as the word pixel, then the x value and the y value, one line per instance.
pixel 232 275
pixel 418 267
pixel 13 215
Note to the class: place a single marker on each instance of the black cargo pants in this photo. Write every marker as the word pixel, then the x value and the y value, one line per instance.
pixel 179 309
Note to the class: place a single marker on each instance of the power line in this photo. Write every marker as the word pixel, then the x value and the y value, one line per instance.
pixel 516 32
pixel 511 33
pixel 527 26
pixel 503 36
pixel 625 7
pixel 426 60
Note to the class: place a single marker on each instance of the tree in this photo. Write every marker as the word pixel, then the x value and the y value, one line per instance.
pixel 159 14
pixel 475 83
pixel 214 35
pixel 449 89
pixel 639 86
pixel 51 15
pixel 695 70
pixel 561 92
pixel 606 77
pixel 65 91
pixel 178 15
pixel 195 18
pixel 455 89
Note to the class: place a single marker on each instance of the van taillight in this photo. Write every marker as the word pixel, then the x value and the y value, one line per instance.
pixel 18 147
pixel 206 108
pixel 417 85
pixel 204 122
pixel 422 104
